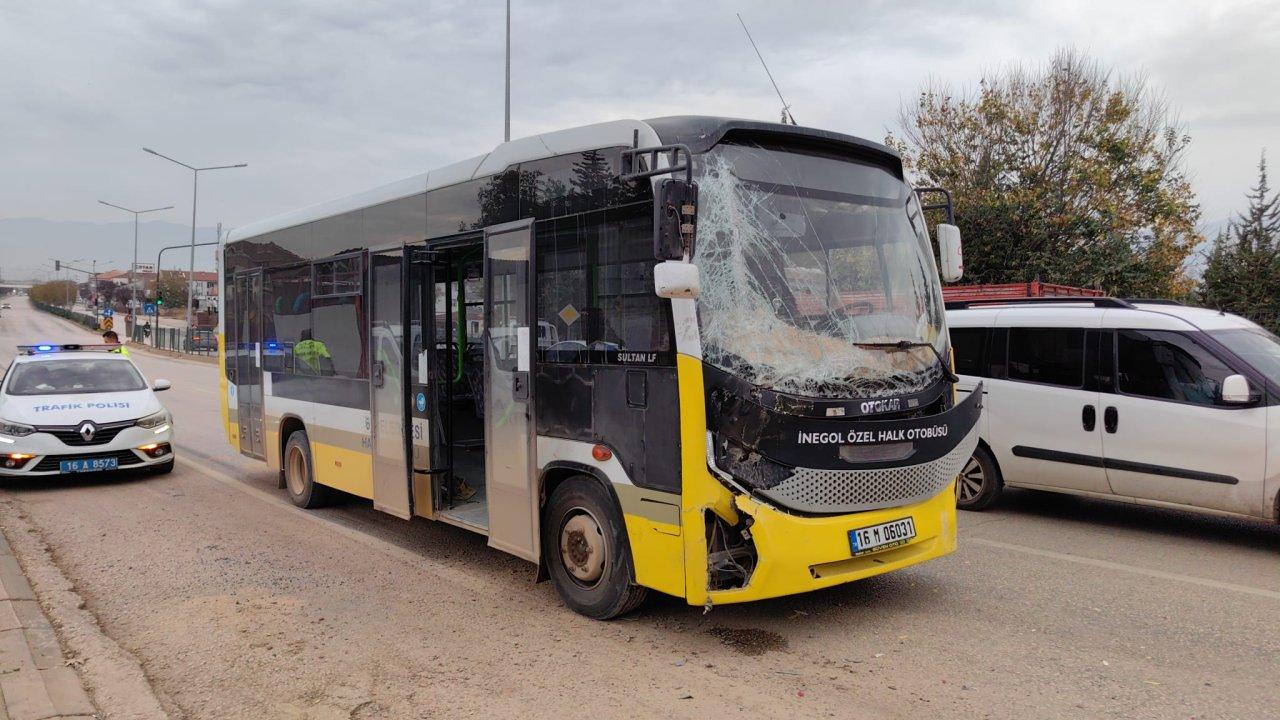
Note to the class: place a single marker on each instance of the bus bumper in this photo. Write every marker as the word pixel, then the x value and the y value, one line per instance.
pixel 798 554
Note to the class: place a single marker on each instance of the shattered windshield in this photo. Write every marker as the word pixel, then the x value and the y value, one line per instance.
pixel 806 259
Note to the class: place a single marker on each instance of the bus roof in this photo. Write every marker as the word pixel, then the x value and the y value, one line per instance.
pixel 697 131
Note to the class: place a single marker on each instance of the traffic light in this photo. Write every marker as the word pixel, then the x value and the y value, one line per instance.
pixel 159 299
pixel 57 266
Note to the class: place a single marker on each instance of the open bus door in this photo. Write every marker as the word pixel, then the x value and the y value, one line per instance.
pixel 245 343
pixel 387 383
pixel 510 473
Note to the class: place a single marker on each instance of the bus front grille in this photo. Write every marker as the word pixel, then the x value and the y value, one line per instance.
pixel 829 492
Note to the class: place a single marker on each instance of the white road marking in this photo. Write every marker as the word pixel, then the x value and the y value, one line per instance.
pixel 276 500
pixel 1108 565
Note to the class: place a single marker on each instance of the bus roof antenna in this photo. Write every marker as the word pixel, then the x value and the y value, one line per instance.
pixel 787 117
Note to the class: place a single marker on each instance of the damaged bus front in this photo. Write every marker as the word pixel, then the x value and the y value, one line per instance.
pixel 820 432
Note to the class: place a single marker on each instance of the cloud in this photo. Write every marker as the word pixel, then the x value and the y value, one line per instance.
pixel 323 99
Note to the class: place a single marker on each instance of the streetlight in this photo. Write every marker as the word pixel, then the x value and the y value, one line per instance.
pixel 195 185
pixel 133 304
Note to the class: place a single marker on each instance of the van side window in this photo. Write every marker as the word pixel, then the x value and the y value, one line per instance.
pixel 1168 366
pixel 1054 356
pixel 968 344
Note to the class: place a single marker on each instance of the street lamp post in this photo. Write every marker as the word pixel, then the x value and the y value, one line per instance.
pixel 195 185
pixel 133 303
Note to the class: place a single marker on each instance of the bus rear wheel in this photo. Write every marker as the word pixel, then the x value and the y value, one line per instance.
pixel 584 542
pixel 299 479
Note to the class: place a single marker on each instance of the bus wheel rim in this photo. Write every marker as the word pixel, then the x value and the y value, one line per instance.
pixel 971 480
pixel 296 474
pixel 583 550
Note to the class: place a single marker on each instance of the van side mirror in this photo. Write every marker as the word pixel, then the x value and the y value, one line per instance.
pixel 950 252
pixel 672 279
pixel 1236 391
pixel 675 217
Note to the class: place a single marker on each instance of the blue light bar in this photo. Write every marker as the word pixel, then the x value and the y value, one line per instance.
pixel 44 348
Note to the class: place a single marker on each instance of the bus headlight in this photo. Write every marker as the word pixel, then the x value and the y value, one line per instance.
pixel 159 422
pixel 14 429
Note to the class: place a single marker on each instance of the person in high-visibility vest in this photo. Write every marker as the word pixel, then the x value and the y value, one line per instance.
pixel 111 338
pixel 311 352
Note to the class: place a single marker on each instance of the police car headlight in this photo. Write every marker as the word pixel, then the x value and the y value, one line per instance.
pixel 158 422
pixel 14 429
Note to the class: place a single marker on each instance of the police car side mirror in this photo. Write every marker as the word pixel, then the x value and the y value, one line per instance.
pixel 1235 390
pixel 949 249
pixel 161 385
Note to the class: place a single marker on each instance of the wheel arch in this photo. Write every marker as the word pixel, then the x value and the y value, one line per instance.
pixel 555 473
pixel 289 424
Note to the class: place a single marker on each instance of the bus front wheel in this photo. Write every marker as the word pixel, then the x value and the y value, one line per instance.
pixel 299 478
pixel 584 542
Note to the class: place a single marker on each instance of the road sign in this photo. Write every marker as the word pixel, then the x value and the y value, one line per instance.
pixel 149 268
pixel 108 312
pixel 148 308
pixel 107 323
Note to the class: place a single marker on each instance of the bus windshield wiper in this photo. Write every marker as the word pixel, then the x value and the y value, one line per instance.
pixel 904 345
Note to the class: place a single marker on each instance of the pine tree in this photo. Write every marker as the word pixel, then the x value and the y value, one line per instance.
pixel 1242 275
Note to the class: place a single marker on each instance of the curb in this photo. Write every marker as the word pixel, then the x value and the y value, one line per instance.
pixel 76 661
pixel 36 681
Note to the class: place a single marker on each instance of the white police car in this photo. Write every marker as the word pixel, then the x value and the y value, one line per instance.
pixel 80 408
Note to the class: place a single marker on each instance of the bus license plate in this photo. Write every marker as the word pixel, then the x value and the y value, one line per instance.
pixel 88 465
pixel 875 538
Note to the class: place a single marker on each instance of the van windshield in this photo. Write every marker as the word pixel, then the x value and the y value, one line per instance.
pixel 1255 346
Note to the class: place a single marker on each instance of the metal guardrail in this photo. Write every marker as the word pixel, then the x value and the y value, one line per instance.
pixel 182 340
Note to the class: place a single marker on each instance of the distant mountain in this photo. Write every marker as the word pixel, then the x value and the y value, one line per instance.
pixel 29 245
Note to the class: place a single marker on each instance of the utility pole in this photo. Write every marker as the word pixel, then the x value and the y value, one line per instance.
pixel 133 303
pixel 195 185
pixel 506 132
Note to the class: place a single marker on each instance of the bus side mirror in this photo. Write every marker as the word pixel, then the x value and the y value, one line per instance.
pixel 1235 390
pixel 952 256
pixel 675 219
pixel 672 279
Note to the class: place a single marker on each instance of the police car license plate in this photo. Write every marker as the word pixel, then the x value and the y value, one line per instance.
pixel 875 538
pixel 88 465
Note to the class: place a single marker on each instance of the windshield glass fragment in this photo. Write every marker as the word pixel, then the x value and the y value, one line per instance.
pixel 802 258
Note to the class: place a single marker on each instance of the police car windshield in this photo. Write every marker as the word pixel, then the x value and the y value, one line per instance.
pixel 74 376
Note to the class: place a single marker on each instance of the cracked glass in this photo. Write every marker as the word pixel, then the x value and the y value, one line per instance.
pixel 807 262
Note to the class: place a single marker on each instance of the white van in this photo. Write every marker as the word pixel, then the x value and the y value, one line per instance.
pixel 1150 402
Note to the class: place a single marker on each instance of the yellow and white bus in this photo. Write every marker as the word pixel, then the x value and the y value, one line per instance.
pixel 696 355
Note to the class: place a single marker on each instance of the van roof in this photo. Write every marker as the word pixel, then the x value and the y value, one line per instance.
pixel 1131 314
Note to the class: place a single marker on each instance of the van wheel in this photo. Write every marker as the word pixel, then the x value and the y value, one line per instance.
pixel 979 482
pixel 584 542
pixel 299 480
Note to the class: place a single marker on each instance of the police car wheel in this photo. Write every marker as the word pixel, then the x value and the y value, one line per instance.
pixel 299 480
pixel 979 483
pixel 585 547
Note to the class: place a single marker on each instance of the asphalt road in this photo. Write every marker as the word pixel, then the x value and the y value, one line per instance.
pixel 239 605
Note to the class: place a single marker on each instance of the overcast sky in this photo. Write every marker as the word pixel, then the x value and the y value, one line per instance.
pixel 327 98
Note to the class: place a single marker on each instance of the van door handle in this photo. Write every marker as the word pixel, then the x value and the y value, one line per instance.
pixel 1089 418
pixel 1111 419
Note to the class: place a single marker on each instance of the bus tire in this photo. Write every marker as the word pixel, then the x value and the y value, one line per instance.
pixel 299 477
pixel 980 482
pixel 584 542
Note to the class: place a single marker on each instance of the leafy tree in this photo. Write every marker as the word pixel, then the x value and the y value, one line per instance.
pixel 1064 173
pixel 56 292
pixel 174 287
pixel 1242 275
